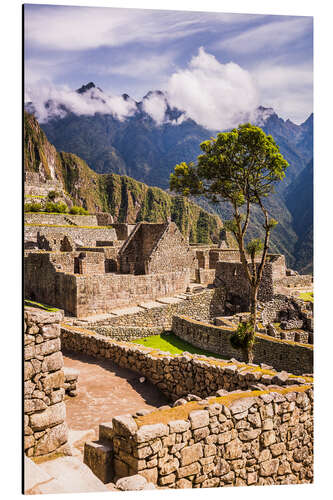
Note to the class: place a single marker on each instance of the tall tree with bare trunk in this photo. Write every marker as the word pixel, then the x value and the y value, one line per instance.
pixel 241 167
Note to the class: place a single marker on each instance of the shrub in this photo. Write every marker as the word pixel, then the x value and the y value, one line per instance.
pixel 33 207
pixel 52 195
pixel 78 211
pixel 242 338
pixel 60 208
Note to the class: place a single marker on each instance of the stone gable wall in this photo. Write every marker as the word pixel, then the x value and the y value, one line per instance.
pixel 262 439
pixel 281 354
pixel 45 429
pixel 171 252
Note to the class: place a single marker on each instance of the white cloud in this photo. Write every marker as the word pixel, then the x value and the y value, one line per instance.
pixel 80 28
pixel 89 103
pixel 155 105
pixel 215 95
pixel 288 89
pixel 271 35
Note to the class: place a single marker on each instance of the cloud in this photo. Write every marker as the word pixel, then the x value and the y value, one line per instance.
pixel 288 89
pixel 155 105
pixel 50 101
pixel 272 35
pixel 82 28
pixel 215 95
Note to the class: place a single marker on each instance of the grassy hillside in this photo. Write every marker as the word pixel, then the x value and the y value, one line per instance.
pixel 125 198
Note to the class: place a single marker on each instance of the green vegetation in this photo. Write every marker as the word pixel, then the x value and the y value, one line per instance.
pixel 127 199
pixel 169 342
pixel 241 168
pixel 45 307
pixel 33 207
pixel 306 296
pixel 52 195
pixel 58 208
pixel 78 211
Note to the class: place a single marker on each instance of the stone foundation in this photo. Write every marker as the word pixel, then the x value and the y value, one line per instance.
pixel 45 429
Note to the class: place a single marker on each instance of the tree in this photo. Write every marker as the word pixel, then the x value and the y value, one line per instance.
pixel 241 167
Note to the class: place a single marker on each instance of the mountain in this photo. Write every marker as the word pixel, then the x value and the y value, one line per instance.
pixel 125 198
pixel 300 203
pixel 146 145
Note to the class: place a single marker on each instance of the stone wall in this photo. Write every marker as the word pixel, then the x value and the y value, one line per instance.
pixel 175 375
pixel 128 333
pixel 202 306
pixel 302 280
pixel 101 293
pixel 244 439
pixel 45 429
pixel 80 235
pixel 60 219
pixel 50 278
pixel 281 354
pixel 45 283
pixel 171 252
pixel 232 276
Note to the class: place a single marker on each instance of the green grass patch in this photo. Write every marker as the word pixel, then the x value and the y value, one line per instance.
pixel 45 307
pixel 35 196
pixel 306 296
pixel 169 342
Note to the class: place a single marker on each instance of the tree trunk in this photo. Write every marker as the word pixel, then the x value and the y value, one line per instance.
pixel 253 322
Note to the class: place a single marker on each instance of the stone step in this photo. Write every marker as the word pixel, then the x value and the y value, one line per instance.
pixel 168 300
pixel 105 432
pixel 150 305
pixel 62 475
pixel 126 310
pixel 76 439
pixel 98 457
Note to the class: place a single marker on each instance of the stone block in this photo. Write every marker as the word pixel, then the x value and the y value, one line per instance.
pixel 178 426
pixel 53 415
pixel 191 454
pixel 52 439
pixel 241 405
pixel 233 449
pixel 169 467
pixel 188 470
pixel 33 405
pixel 131 483
pixel 54 380
pixel 151 475
pixel 52 362
pixel 183 483
pixel 124 425
pixel 148 432
pixel 267 438
pixel 269 468
pixel 98 457
pixel 50 331
pixel 199 418
pixel 48 347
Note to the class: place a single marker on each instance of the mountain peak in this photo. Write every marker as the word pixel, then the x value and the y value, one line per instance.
pixel 85 88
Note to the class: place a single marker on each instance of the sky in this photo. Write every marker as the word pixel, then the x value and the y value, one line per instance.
pixel 214 66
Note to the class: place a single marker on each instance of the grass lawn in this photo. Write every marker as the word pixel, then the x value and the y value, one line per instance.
pixel 306 296
pixel 45 307
pixel 173 344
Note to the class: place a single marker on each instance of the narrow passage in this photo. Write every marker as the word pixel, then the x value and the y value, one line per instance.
pixel 104 391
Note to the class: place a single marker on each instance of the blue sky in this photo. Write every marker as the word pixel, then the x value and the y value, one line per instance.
pixel 235 60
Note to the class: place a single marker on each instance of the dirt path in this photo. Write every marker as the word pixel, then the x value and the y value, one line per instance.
pixel 104 391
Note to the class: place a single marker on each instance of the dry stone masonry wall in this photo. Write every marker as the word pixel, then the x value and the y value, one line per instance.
pixel 263 439
pixel 176 375
pixel 45 429
pixel 282 354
